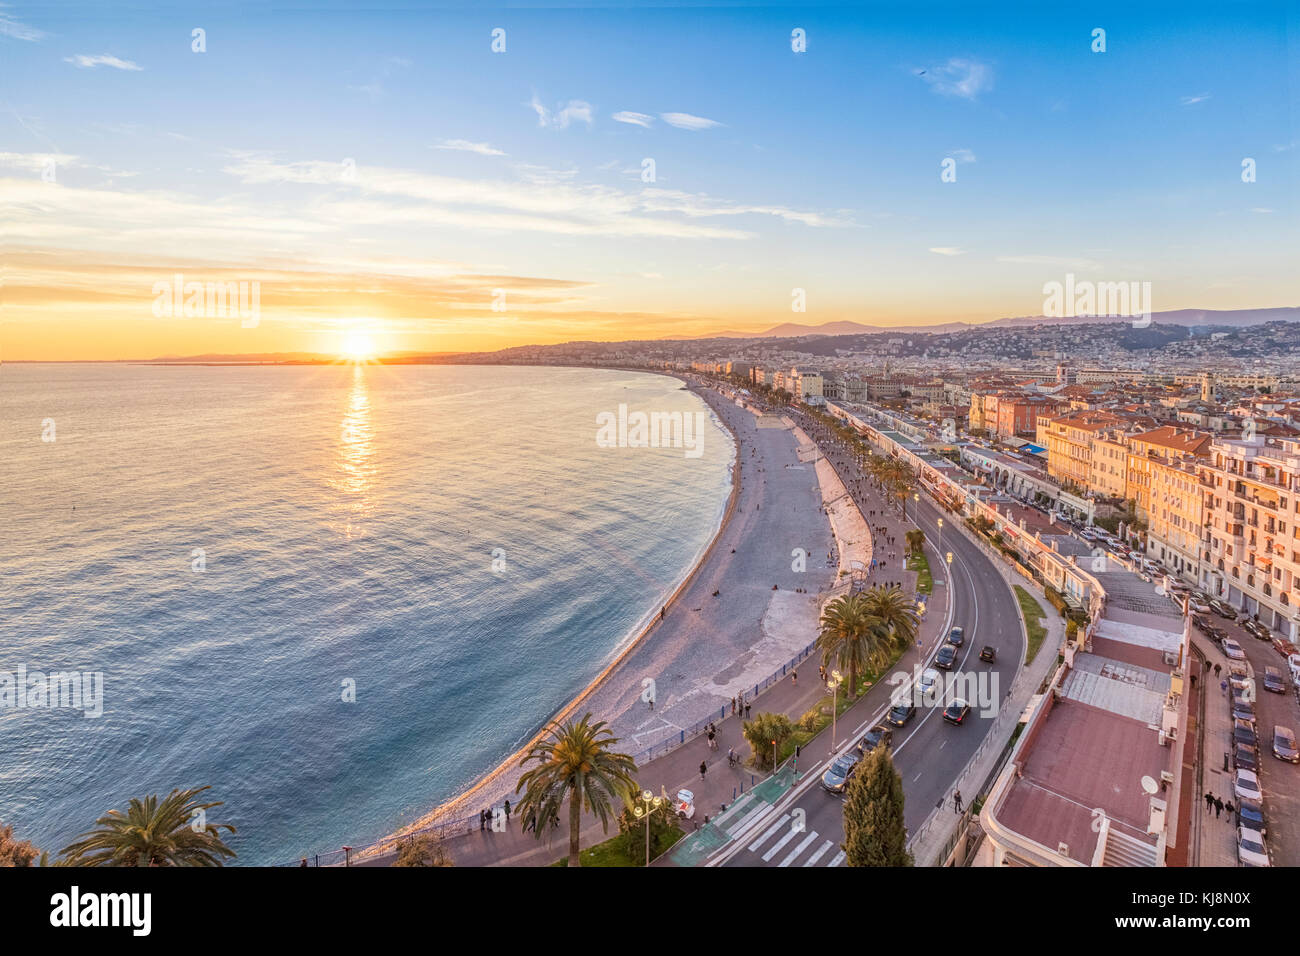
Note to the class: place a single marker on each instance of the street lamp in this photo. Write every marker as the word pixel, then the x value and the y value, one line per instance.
pixel 835 681
pixel 649 803
pixel 940 534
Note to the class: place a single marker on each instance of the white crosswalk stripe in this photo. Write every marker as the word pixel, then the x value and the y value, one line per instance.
pixel 821 851
pixel 776 847
pixel 799 849
pixel 768 835
pixel 839 858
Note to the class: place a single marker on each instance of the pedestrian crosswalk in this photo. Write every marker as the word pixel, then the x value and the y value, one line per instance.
pixel 783 843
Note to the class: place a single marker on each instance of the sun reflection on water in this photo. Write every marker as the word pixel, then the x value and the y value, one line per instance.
pixel 356 451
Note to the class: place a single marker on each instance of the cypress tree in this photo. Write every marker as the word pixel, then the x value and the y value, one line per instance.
pixel 873 814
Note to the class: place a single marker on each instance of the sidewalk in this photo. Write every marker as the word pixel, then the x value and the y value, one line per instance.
pixel 1215 839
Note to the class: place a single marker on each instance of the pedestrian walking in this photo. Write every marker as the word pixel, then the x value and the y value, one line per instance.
pixel 733 707
pixel 703 769
pixel 956 799
pixel 1231 810
pixel 747 710
pixel 794 678
pixel 1223 686
pixel 1218 808
pixel 507 813
pixel 1209 800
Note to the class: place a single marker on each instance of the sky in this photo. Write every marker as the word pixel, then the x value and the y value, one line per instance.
pixel 385 180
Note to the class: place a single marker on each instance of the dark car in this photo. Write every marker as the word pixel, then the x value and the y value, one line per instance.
pixel 901 713
pixel 836 778
pixel 1246 757
pixel 1223 610
pixel 956 712
pixel 989 653
pixel 956 636
pixel 873 738
pixel 1242 711
pixel 1251 814
pixel 1244 733
pixel 946 658
pixel 1274 681
pixel 1284 744
pixel 1258 631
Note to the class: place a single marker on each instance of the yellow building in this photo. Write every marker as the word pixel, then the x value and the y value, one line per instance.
pixel 1069 445
pixel 1108 467
pixel 1160 445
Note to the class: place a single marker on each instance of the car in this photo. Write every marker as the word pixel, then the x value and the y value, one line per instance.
pixel 956 636
pixel 901 713
pixel 1251 814
pixel 1293 665
pixel 837 776
pixel 1245 726
pixel 1244 735
pixel 1274 681
pixel 1246 757
pixel 1257 631
pixel 957 711
pixel 946 658
pixel 1223 610
pixel 1198 604
pixel 875 737
pixel 1246 784
pixel 1232 650
pixel 1250 848
pixel 1284 744
pixel 1243 712
pixel 927 682
pixel 990 653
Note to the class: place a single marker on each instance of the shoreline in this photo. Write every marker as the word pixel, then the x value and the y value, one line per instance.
pixel 641 633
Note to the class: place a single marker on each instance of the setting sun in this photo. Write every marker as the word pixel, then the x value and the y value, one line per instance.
pixel 358 347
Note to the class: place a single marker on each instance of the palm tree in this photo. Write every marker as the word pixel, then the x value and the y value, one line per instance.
pixel 850 637
pixel 576 762
pixel 895 611
pixel 173 832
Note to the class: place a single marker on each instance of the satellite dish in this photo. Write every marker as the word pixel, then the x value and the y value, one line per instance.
pixel 1149 785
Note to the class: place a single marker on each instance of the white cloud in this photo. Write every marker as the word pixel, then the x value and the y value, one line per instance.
pixel 1261 209
pixel 947 251
pixel 962 155
pixel 9 27
pixel 36 162
pixel 465 146
pixel 1193 100
pixel 959 77
pixel 687 121
pixel 574 111
pixel 103 59
pixel 635 119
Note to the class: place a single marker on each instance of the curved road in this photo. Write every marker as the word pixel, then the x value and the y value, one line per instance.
pixel 929 753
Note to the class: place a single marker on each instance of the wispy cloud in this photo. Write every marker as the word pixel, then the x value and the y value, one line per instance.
pixel 687 121
pixel 947 251
pixel 465 146
pixel 962 155
pixel 964 78
pixel 9 27
pixel 634 119
pixel 86 62
pixel 1193 100
pixel 574 111
pixel 1261 209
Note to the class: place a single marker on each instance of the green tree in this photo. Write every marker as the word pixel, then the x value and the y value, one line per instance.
pixel 663 830
pixel 915 540
pixel 422 849
pixel 575 762
pixel 18 853
pixel 761 731
pixel 170 832
pixel 860 632
pixel 874 834
pixel 896 612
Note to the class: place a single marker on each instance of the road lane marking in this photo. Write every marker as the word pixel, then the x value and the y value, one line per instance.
pixel 839 858
pixel 753 847
pixel 812 860
pixel 776 847
pixel 799 849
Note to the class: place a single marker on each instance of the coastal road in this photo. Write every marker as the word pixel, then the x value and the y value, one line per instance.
pixel 929 753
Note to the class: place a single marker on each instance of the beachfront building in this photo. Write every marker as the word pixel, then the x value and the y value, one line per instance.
pixel 1253 523
pixel 1149 450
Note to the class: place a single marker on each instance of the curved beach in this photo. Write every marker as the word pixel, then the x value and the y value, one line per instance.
pixel 707 648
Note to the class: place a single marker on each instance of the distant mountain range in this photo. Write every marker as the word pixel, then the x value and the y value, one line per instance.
pixel 1236 318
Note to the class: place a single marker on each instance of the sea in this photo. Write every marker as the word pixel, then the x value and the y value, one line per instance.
pixel 337 595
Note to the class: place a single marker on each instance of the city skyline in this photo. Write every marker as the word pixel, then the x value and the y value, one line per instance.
pixel 396 185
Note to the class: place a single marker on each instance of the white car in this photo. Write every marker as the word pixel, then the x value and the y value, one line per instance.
pixel 1293 662
pixel 928 681
pixel 1247 785
pixel 1250 848
pixel 1232 650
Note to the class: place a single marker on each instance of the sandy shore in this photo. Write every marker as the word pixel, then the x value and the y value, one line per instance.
pixel 726 627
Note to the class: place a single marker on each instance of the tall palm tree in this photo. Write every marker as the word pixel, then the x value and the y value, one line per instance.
pixel 173 832
pixel 896 612
pixel 850 637
pixel 575 761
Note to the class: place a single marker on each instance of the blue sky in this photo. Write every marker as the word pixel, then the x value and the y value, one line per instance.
pixel 774 170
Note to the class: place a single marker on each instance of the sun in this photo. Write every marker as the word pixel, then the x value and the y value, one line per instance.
pixel 357 347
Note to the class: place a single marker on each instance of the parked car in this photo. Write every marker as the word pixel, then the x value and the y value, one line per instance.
pixel 946 658
pixel 1223 610
pixel 1198 602
pixel 1250 847
pixel 837 776
pixel 1232 650
pixel 901 713
pixel 875 737
pixel 989 653
pixel 1274 681
pixel 1251 814
pixel 956 712
pixel 1293 664
pixel 956 636
pixel 1246 757
pixel 1243 732
pixel 1284 744
pixel 1246 784
pixel 1243 712
pixel 1257 631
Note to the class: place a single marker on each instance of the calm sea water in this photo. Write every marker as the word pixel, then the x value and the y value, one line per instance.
pixel 347 518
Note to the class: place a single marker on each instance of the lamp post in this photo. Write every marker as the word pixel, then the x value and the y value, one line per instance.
pixel 648 804
pixel 940 534
pixel 836 679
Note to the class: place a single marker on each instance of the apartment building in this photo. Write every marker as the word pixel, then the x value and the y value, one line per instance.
pixel 1176 519
pixel 1068 439
pixel 1253 521
pixel 1108 464
pixel 1149 451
